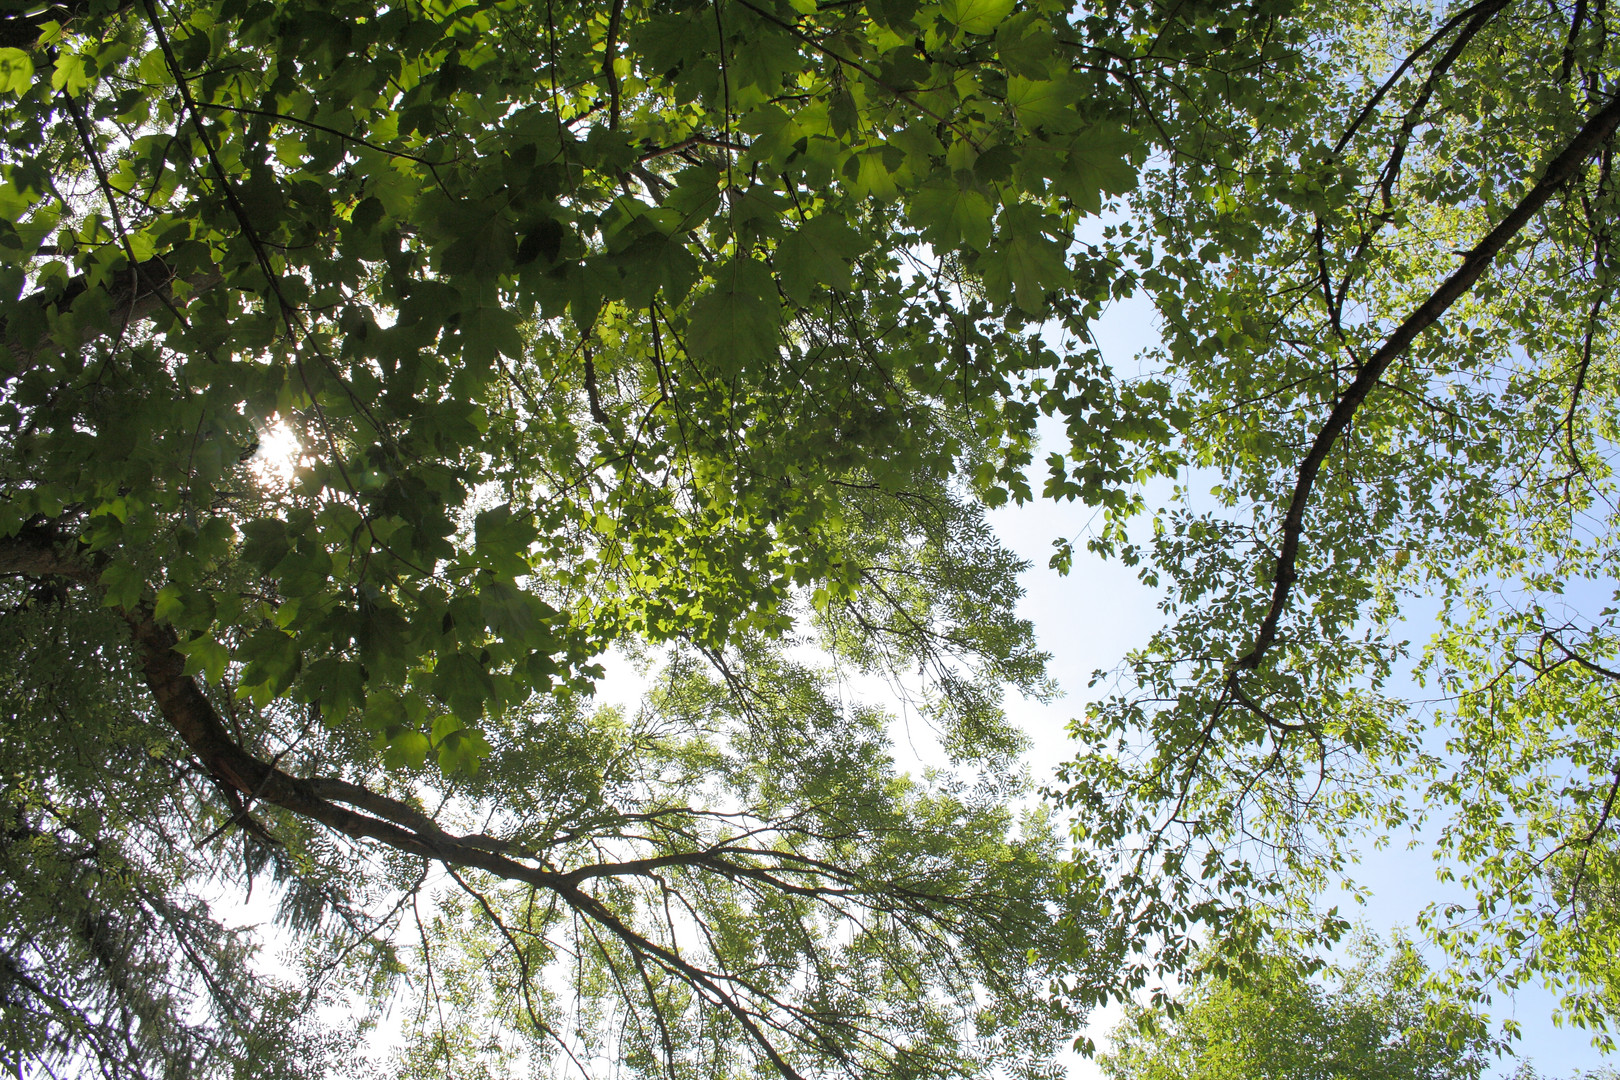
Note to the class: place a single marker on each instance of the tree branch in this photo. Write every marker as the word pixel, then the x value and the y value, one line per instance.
pixel 40 552
pixel 134 293
pixel 1562 167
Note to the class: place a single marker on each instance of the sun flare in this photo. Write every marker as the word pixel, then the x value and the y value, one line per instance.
pixel 280 453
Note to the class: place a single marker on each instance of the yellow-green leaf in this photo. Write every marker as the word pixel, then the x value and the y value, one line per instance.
pixel 16 71
pixel 1044 103
pixel 70 75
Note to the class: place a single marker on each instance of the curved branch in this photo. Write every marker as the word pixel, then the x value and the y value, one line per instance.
pixel 38 551
pixel 1558 172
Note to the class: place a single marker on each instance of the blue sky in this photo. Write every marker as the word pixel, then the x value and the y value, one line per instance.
pixel 1089 619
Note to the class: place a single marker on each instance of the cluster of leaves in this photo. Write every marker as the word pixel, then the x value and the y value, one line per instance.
pixel 757 848
pixel 637 282
pixel 709 327
pixel 1383 287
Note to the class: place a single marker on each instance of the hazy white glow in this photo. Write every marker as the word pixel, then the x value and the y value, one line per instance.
pixel 280 453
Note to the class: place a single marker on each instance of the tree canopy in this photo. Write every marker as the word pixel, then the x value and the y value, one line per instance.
pixel 704 329
pixel 708 330
pixel 1379 1017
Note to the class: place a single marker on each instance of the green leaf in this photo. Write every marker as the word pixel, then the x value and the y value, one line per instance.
pixel 272 659
pixel 444 726
pixel 677 270
pixel 1044 103
pixel 69 75
pixel 898 15
pixel 16 71
pixel 1027 45
pixel 304 570
pixel 589 285
pixel 510 613
pixel 461 752
pixel 950 213
pixel 503 540
pixel 406 750
pixel 818 252
pixel 184 608
pixel 206 657
pixel 122 585
pixel 773 134
pixel 737 322
pixel 1024 263
pixel 697 189
pixel 870 173
pixel 976 16
pixel 339 685
pixel 461 682
pixel 490 329
pixel 265 542
pixel 1097 163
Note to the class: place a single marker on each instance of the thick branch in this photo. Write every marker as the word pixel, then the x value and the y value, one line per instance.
pixel 134 294
pixel 1558 172
pixel 39 552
